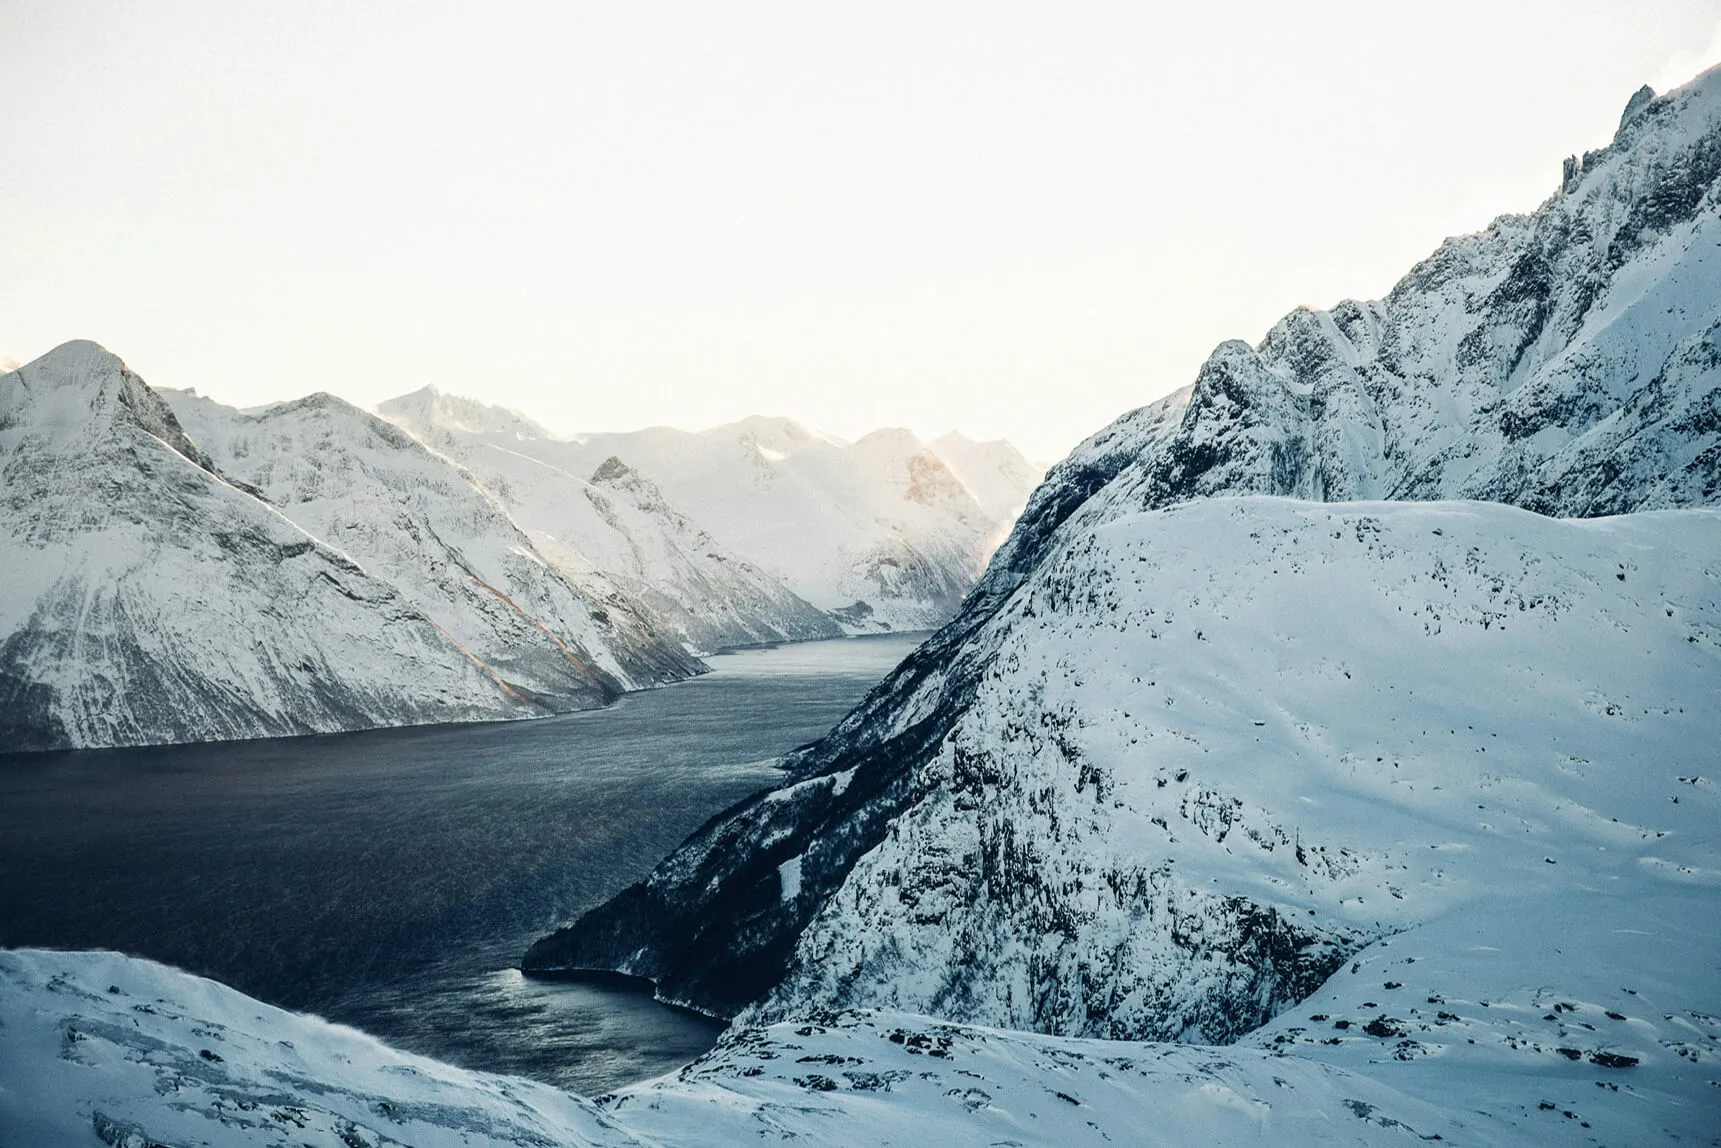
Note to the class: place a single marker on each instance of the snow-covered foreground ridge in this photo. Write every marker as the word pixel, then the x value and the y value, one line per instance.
pixel 1568 361
pixel 312 570
pixel 1507 1041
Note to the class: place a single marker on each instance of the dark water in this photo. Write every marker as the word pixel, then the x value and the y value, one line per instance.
pixel 391 880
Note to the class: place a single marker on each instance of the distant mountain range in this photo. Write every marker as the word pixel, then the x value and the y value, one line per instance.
pixel 406 515
pixel 884 533
pixel 180 570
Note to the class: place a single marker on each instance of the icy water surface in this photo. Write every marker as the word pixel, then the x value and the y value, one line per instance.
pixel 392 879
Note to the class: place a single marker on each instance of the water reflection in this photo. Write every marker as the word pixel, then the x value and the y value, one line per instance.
pixel 585 1037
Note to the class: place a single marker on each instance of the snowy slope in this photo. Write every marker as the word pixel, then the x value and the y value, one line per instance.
pixel 96 1047
pixel 1220 747
pixel 149 599
pixel 101 1048
pixel 1208 753
pixel 883 532
pixel 416 519
pixel 948 848
pixel 609 521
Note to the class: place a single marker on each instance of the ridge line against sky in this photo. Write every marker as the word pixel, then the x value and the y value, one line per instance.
pixel 1018 220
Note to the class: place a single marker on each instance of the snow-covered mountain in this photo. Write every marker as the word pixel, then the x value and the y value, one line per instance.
pixel 1173 766
pixel 882 533
pixel 1564 361
pixel 611 521
pixel 444 419
pixel 1288 717
pixel 1201 758
pixel 149 598
pixel 412 517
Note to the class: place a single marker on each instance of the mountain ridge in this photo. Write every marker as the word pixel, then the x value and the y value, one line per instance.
pixel 177 604
pixel 417 519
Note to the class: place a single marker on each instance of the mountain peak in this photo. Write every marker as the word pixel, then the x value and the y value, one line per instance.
pixel 956 440
pixel 318 401
pixel 81 389
pixel 891 438
pixel 430 408
pixel 76 362
pixel 774 432
pixel 781 424
pixel 613 470
pixel 1640 99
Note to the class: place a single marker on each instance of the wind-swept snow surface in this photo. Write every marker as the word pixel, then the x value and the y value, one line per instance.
pixel 98 1048
pixel 149 599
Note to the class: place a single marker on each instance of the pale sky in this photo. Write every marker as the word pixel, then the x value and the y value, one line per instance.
pixel 1014 219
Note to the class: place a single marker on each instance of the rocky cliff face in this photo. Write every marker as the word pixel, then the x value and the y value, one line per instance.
pixel 150 598
pixel 1564 361
pixel 1103 799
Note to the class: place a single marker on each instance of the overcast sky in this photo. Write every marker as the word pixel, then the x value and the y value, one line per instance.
pixel 1015 219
